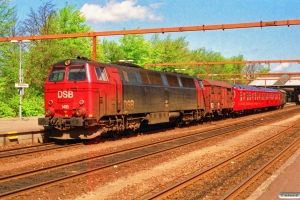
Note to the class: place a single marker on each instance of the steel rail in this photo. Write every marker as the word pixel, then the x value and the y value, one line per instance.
pixel 247 182
pixel 35 149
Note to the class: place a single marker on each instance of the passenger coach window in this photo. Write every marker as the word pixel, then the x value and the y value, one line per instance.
pixel 77 73
pixel 57 74
pixel 101 74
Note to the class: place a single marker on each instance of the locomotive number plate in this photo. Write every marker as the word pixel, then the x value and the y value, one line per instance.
pixel 65 106
pixel 128 104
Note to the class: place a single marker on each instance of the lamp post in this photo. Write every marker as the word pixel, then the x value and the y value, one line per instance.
pixel 20 86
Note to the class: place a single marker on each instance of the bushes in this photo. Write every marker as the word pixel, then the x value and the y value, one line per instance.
pixel 6 110
pixel 33 106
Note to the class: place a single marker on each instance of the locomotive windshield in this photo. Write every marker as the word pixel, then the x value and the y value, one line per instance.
pixel 77 73
pixel 57 74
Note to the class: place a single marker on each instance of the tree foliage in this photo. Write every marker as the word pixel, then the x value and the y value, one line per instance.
pixel 136 48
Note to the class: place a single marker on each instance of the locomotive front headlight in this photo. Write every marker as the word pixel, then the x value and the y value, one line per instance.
pixel 49 112
pixel 67 62
pixel 81 102
pixel 80 112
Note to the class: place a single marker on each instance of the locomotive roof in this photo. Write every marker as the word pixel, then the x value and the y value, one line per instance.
pixel 84 61
pixel 114 64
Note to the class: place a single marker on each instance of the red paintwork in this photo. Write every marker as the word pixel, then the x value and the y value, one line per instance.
pixel 103 96
pixel 249 98
pixel 218 95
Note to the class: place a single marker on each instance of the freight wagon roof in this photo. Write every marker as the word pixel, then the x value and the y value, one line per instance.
pixel 216 83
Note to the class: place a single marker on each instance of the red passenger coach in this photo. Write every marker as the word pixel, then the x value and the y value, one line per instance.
pixel 249 98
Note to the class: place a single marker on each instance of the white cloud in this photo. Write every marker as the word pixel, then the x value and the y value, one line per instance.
pixel 123 11
pixel 281 67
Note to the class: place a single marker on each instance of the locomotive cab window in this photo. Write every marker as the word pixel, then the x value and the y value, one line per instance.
pixel 101 74
pixel 57 74
pixel 77 73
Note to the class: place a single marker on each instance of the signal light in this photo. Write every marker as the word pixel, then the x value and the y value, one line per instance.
pixel 50 102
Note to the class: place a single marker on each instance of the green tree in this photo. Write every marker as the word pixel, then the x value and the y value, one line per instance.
pixel 109 51
pixel 43 53
pixel 168 50
pixel 9 65
pixel 136 48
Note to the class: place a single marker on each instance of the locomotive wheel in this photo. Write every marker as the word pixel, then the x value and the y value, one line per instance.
pixel 116 134
pixel 130 132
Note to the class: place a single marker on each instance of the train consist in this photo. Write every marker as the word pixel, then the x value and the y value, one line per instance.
pixel 85 99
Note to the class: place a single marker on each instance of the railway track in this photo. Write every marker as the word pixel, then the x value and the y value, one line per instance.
pixel 26 181
pixel 229 184
pixel 33 149
pixel 53 146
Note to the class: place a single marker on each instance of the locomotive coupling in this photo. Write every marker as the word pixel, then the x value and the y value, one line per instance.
pixel 74 121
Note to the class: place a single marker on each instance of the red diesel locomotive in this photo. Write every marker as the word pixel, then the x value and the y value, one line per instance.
pixel 85 99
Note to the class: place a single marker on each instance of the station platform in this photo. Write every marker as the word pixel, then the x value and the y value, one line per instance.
pixel 19 125
pixel 16 130
pixel 283 184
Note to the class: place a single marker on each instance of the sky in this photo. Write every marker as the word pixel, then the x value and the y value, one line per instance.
pixel 267 43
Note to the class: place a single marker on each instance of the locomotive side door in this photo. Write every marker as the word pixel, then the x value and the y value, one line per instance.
pixel 115 92
pixel 110 90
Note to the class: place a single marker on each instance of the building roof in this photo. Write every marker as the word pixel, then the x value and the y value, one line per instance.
pixel 278 80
